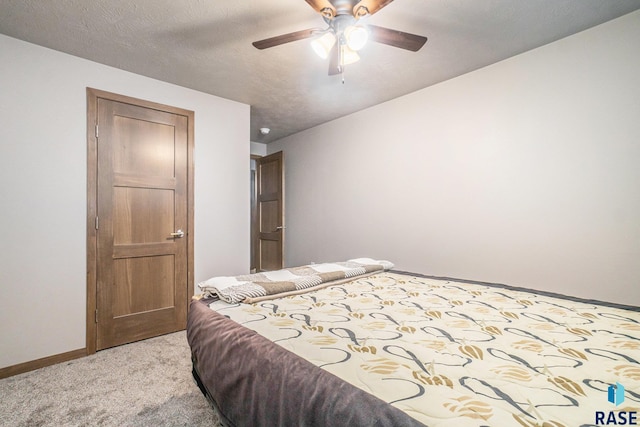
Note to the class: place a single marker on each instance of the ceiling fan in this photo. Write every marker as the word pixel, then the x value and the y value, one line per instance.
pixel 346 33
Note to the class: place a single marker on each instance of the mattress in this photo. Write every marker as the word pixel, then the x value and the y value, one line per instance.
pixel 403 349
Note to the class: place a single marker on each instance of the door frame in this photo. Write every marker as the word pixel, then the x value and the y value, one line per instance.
pixel 92 199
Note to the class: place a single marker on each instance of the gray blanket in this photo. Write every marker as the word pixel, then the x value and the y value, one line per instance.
pixel 252 288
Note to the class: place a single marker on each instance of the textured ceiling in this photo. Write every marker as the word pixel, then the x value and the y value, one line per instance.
pixel 206 45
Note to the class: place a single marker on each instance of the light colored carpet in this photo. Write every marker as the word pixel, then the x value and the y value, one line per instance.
pixel 147 383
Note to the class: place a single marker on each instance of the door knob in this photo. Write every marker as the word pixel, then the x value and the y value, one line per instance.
pixel 178 234
pixel 280 227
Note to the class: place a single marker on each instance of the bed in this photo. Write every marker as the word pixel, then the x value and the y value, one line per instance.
pixel 378 347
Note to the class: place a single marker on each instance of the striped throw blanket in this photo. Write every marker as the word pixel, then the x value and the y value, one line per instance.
pixel 252 288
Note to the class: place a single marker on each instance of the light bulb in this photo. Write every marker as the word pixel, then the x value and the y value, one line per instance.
pixel 356 36
pixel 322 45
pixel 349 56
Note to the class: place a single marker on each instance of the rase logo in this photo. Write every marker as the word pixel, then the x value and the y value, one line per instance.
pixel 615 395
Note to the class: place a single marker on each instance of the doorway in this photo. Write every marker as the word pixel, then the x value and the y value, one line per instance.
pixel 139 219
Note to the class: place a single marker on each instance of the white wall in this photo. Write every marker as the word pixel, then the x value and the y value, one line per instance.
pixel 258 148
pixel 526 172
pixel 43 191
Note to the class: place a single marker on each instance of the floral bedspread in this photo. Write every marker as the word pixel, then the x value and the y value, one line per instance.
pixel 458 354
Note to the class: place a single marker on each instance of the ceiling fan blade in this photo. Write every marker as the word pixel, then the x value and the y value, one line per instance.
pixel 321 6
pixel 372 6
pixel 334 60
pixel 285 38
pixel 396 38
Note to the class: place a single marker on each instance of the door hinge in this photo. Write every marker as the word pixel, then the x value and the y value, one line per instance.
pixel 97 223
pixel 96 130
pixel 96 315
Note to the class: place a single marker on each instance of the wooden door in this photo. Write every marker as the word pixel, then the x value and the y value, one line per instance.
pixel 143 224
pixel 254 213
pixel 270 211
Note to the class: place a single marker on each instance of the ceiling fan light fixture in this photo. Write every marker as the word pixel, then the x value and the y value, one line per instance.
pixel 349 56
pixel 322 45
pixel 356 36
